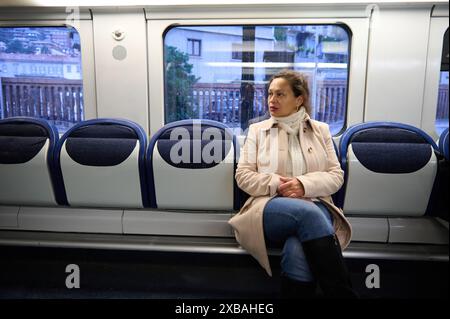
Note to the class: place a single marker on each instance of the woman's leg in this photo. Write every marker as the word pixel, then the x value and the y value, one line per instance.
pixel 285 220
pixel 293 261
pixel 311 225
pixel 328 266
pixel 297 280
pixel 285 217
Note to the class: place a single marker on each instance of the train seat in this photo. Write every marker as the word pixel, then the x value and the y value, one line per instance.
pixel 100 163
pixel 191 165
pixel 26 161
pixel 390 169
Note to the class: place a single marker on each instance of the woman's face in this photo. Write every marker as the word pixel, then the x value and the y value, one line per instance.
pixel 281 100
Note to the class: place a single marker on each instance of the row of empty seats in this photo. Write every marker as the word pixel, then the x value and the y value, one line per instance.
pixel 390 168
pixel 106 163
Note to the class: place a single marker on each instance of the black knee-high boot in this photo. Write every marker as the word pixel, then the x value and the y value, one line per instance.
pixel 294 289
pixel 327 264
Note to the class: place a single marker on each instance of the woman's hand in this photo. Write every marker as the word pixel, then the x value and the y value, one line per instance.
pixel 291 187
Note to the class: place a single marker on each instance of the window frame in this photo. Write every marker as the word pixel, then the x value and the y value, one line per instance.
pixel 358 22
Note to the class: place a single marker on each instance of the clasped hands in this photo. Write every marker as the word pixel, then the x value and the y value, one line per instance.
pixel 290 187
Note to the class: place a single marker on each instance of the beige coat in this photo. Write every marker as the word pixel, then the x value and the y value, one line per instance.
pixel 259 177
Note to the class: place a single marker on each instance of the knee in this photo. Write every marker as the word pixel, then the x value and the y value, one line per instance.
pixel 314 215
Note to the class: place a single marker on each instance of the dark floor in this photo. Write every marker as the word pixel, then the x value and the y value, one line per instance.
pixel 29 273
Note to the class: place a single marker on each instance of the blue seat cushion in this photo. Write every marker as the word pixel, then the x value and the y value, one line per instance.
pixel 387 135
pixel 101 144
pixel 23 130
pixel 105 130
pixel 391 150
pixel 20 142
pixel 392 158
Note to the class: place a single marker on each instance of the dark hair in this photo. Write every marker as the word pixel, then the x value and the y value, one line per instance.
pixel 299 85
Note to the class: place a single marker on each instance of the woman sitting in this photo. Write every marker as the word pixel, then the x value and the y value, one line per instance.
pixel 289 167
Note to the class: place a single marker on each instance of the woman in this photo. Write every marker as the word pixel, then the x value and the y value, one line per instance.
pixel 289 167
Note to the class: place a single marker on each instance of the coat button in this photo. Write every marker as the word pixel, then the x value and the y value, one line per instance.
pixel 304 130
pixel 310 150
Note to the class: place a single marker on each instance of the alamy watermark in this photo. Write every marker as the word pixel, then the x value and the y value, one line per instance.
pixel 73 279
pixel 373 279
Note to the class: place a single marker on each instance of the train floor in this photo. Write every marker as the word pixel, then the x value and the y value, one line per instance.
pixel 42 273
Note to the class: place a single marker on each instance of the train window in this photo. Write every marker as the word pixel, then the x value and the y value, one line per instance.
pixel 443 107
pixel 40 74
pixel 224 76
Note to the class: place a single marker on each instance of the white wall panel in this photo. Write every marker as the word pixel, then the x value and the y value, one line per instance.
pixel 440 10
pixel 396 64
pixel 13 13
pixel 121 83
pixel 268 11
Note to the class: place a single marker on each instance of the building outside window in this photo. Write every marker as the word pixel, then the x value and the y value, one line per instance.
pixel 32 79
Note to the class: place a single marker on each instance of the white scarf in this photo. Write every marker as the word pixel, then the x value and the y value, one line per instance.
pixel 291 124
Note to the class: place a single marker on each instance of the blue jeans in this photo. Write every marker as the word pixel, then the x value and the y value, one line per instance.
pixel 291 221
